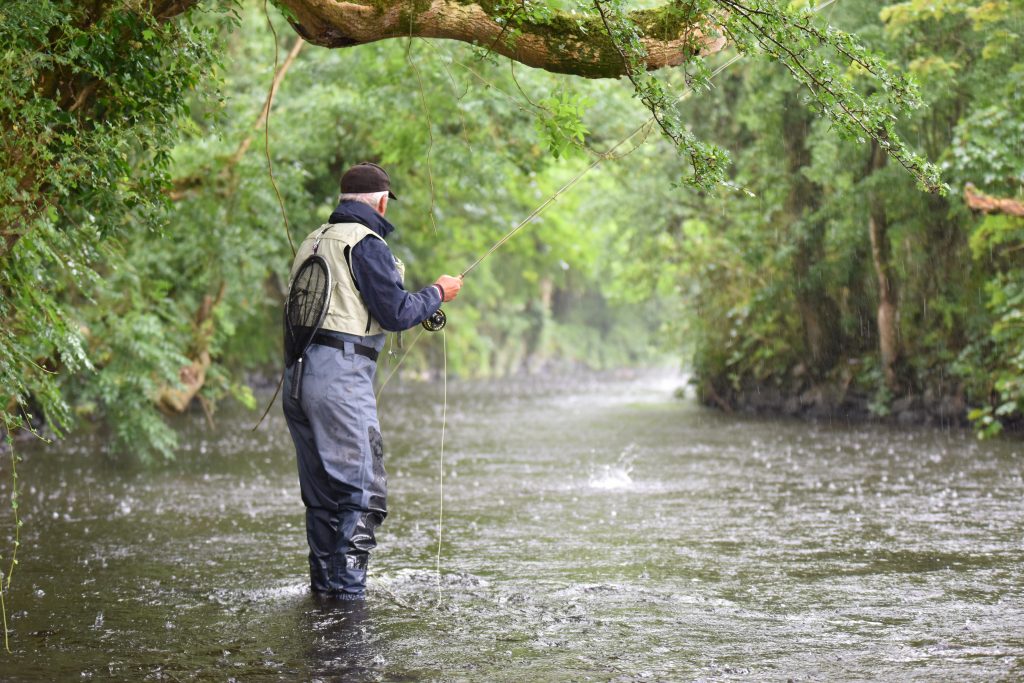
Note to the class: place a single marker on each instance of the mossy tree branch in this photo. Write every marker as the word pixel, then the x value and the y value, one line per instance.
pixel 551 40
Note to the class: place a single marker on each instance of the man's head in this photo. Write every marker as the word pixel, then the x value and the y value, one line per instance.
pixel 368 183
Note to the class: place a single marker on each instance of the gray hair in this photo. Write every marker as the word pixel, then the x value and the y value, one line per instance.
pixel 371 198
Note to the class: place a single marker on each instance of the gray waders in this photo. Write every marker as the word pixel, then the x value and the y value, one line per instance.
pixel 340 456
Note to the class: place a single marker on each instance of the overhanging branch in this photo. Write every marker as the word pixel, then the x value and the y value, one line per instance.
pixel 984 203
pixel 562 43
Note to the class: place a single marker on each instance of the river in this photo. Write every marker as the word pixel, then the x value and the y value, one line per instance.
pixel 593 529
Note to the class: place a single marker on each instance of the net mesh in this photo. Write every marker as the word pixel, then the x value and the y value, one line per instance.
pixel 306 307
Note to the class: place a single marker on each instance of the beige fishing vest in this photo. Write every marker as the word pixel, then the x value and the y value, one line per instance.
pixel 347 312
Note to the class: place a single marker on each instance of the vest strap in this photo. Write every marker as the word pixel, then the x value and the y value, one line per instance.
pixel 335 343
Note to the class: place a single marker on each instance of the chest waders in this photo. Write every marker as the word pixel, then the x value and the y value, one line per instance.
pixel 333 423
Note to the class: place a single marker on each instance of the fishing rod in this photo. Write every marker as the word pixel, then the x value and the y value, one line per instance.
pixel 604 156
pixel 439 319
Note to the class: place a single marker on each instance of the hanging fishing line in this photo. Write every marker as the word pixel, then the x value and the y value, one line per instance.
pixel 5 587
pixel 398 364
pixel 440 466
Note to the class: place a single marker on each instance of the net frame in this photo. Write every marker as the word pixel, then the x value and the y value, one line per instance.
pixel 303 319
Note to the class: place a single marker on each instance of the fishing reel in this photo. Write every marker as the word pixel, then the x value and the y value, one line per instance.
pixel 435 322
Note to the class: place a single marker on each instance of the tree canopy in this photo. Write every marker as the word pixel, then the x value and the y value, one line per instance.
pixel 144 250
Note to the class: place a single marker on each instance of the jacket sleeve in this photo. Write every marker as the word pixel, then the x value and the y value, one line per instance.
pixel 373 267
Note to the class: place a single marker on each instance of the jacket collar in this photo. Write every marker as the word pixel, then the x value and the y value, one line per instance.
pixel 349 211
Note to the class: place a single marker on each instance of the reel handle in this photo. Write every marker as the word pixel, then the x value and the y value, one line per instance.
pixel 297 379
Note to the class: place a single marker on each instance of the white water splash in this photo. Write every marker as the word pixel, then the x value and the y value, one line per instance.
pixel 616 477
pixel 612 477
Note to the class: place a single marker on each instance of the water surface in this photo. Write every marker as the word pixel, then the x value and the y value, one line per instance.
pixel 593 529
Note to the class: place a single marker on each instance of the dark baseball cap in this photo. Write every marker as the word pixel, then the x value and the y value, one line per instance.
pixel 366 177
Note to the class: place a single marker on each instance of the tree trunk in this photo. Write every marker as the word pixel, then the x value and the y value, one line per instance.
pixel 192 377
pixel 881 256
pixel 819 314
pixel 538 311
pixel 184 186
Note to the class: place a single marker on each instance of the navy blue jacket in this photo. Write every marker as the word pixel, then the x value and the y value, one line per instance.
pixel 375 274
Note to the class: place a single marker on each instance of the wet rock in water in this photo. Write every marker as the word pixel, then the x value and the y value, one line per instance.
pixel 951 407
pixel 906 404
pixel 911 417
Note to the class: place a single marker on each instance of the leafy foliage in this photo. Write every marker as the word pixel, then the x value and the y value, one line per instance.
pixel 89 105
pixel 561 126
pixel 142 235
pixel 782 288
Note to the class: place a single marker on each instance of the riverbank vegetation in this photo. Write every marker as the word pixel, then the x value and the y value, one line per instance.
pixel 784 236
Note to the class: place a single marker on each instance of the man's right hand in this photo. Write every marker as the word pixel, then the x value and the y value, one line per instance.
pixel 450 285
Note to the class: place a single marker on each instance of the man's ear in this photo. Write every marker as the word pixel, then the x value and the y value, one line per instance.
pixel 382 205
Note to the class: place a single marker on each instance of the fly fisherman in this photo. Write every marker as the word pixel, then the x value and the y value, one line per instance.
pixel 334 421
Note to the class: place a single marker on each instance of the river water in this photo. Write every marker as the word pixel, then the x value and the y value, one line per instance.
pixel 593 529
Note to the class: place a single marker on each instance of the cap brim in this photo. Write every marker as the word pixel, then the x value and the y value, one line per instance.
pixel 392 195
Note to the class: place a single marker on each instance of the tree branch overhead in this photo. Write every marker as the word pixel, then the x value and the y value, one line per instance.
pixel 560 42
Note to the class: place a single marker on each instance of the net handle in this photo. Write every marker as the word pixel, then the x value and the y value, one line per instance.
pixel 316 244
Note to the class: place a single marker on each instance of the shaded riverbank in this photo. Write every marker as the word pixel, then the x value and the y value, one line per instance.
pixel 841 402
pixel 594 528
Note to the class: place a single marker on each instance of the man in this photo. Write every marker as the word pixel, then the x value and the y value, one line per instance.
pixel 334 422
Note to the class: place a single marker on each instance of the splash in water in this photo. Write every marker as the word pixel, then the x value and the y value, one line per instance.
pixel 616 476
